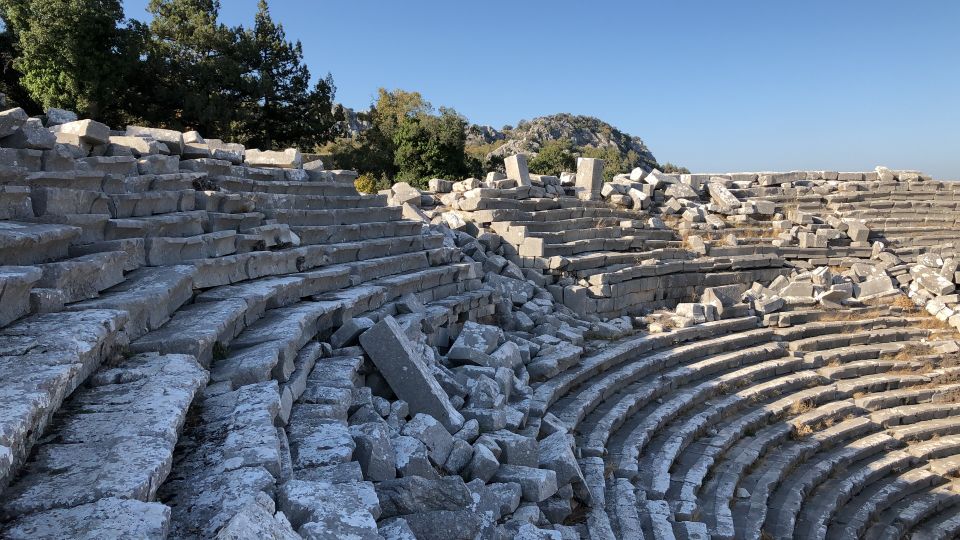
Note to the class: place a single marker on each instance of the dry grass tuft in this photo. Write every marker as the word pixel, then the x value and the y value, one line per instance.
pixel 802 406
pixel 912 351
pixel 904 303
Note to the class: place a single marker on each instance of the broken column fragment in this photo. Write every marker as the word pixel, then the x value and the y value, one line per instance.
pixel 405 370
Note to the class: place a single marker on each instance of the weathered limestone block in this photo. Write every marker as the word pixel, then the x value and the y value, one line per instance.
pixel 173 139
pixel 516 168
pixel 876 287
pixel 258 518
pixel 322 510
pixel 107 518
pixel 374 452
pixel 413 495
pixel 475 343
pixel 722 197
pixel 121 145
pixel 15 285
pixel 537 484
pixel 31 135
pixel 404 368
pixel 589 178
pixel 89 131
pixel 11 120
pixel 232 152
pixel 932 281
pixel 284 159
pixel 57 116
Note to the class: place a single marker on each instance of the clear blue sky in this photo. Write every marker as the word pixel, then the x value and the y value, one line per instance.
pixel 711 85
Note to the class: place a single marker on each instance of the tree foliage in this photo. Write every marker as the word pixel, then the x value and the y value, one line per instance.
pixel 408 140
pixel 429 146
pixel 670 168
pixel 283 110
pixel 554 157
pixel 183 70
pixel 68 53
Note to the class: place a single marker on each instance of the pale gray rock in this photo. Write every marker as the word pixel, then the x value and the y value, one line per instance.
pixel 328 511
pixel 171 138
pixel 434 436
pixel 57 116
pixel 11 120
pixel 475 343
pixel 483 465
pixel 405 370
pixel 537 484
pixel 589 179
pixel 31 135
pixel 374 451
pixel 258 519
pixel 556 454
pixel 348 333
pixel 89 131
pixel 516 169
pixel 410 495
pixel 396 529
pixel 106 518
pixel 412 458
pixel 286 159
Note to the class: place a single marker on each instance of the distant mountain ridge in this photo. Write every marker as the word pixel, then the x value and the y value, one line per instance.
pixel 529 136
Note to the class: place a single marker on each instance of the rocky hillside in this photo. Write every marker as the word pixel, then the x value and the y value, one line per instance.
pixel 583 132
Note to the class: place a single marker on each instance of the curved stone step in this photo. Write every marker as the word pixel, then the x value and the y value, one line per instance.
pixel 762 361
pixel 112 438
pixel 902 517
pixel 575 407
pixel 629 351
pixel 788 500
pixel 33 243
pixel 43 359
pixel 814 518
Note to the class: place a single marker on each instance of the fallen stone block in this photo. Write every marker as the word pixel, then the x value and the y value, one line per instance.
pixel 412 495
pixel 589 178
pixel 405 370
pixel 516 169
pixel 536 484
pixel 284 159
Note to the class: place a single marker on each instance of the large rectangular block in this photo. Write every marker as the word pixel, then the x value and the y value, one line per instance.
pixel 516 167
pixel 589 178
pixel 407 373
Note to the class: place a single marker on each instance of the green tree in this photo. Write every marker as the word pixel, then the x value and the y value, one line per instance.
pixel 555 156
pixel 431 146
pixel 614 161
pixel 373 152
pixel 75 54
pixel 670 168
pixel 194 73
pixel 286 111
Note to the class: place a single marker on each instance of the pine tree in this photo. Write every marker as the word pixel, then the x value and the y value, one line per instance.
pixel 286 111
pixel 193 75
pixel 75 54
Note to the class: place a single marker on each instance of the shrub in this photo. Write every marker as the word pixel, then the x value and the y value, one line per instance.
pixel 365 183
pixel 670 168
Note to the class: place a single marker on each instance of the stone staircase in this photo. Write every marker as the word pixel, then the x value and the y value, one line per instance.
pixel 174 316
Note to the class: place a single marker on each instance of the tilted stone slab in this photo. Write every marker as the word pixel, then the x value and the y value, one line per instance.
pixel 407 373
pixel 32 243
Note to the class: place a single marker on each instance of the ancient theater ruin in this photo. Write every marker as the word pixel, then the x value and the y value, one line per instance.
pixel 202 340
